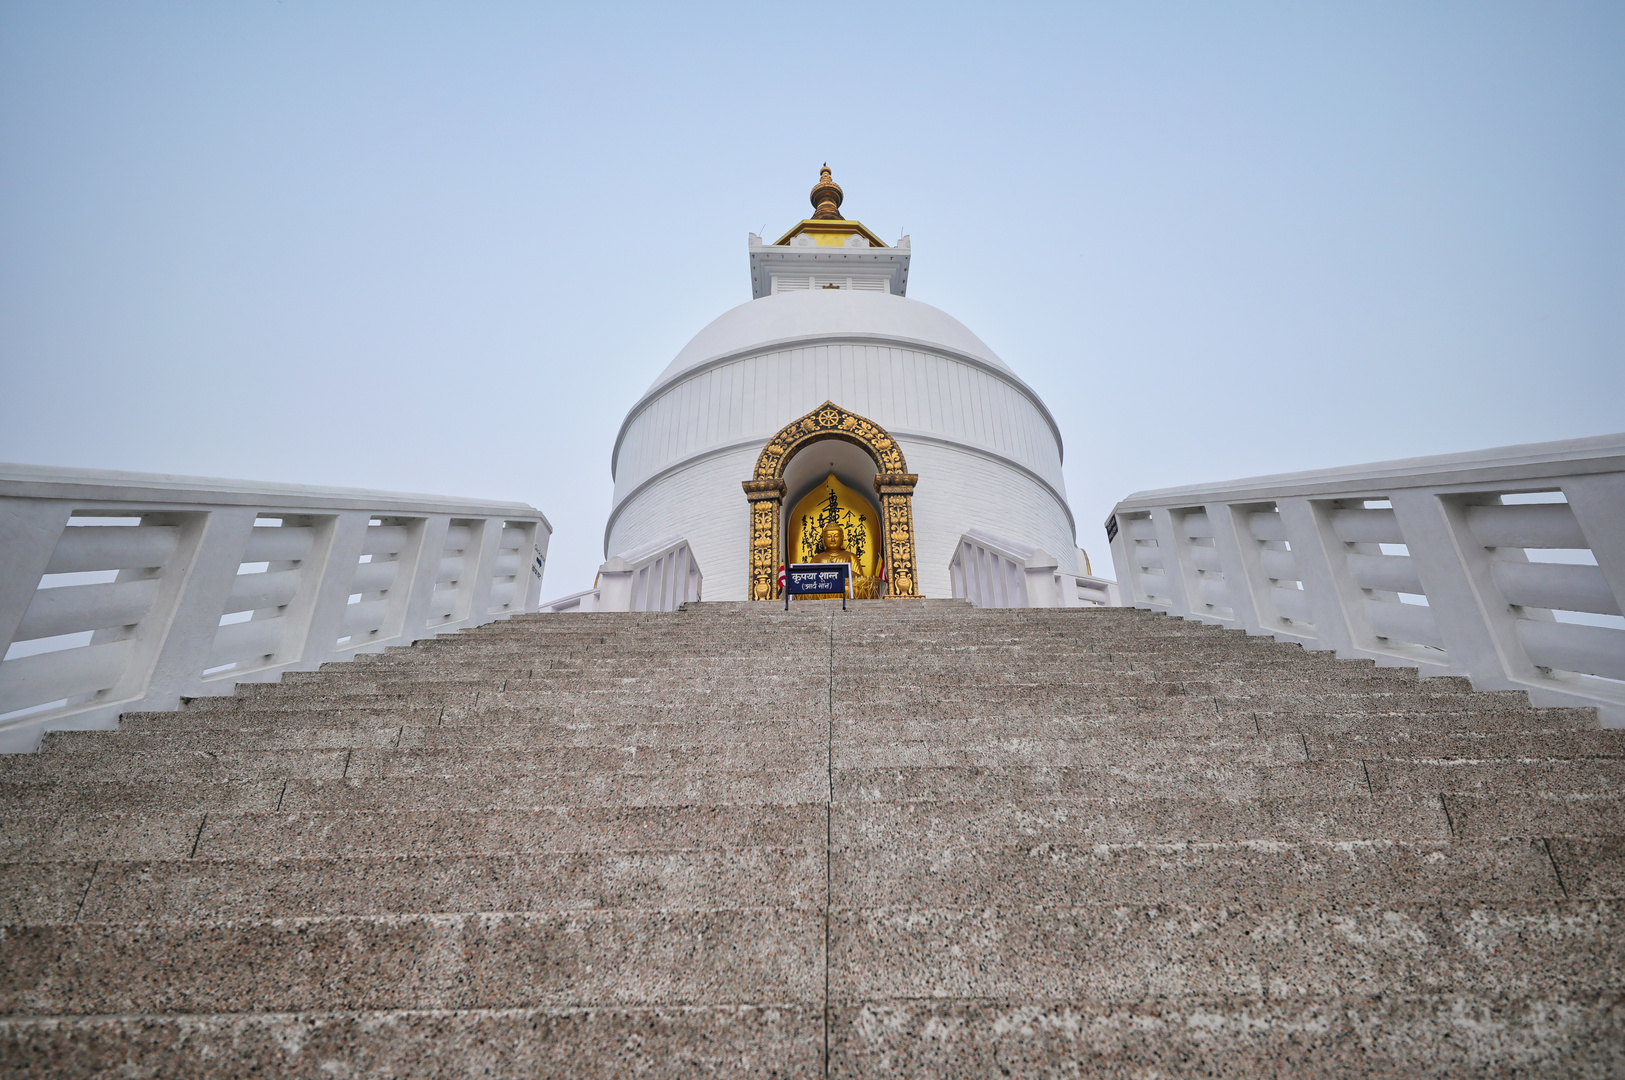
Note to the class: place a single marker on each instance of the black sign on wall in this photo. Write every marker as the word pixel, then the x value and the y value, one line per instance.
pixel 1111 528
pixel 803 578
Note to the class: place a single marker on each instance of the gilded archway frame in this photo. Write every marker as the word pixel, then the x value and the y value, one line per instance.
pixel 894 484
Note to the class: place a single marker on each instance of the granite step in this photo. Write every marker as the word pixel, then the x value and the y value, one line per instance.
pixel 779 751
pixel 1447 1034
pixel 1255 874
pixel 608 1042
pixel 200 889
pixel 1104 953
pixel 445 961
pixel 179 834
pixel 1113 953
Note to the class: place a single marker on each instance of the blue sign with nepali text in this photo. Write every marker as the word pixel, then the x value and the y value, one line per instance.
pixel 802 578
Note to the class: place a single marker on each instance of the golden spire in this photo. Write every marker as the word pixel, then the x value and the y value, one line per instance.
pixel 826 197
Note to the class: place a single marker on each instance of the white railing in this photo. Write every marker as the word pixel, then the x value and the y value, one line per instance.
pixel 1506 566
pixel 661 576
pixel 994 572
pixel 124 592
pixel 575 603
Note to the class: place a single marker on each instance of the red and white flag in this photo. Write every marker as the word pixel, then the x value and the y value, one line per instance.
pixel 882 573
pixel 781 575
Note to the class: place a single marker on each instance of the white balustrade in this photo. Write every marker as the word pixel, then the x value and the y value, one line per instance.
pixel 1506 566
pixel 124 592
pixel 995 572
pixel 661 576
pixel 574 604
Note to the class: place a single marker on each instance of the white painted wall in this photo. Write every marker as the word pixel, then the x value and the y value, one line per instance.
pixel 702 502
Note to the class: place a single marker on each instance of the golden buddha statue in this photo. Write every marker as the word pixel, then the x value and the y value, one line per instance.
pixel 834 551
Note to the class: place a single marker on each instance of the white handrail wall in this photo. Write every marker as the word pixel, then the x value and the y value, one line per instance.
pixel 995 572
pixel 576 603
pixel 123 592
pixel 1506 566
pixel 661 576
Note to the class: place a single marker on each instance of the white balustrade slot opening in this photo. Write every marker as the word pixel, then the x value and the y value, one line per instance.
pixel 1506 566
pixel 124 592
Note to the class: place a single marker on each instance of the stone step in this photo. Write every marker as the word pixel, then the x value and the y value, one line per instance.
pixel 190 890
pixel 1467 745
pixel 624 788
pixel 1220 951
pixel 463 731
pixel 557 704
pixel 584 762
pixel 1250 873
pixel 462 961
pixel 1065 695
pixel 79 796
pixel 1039 741
pixel 1253 873
pixel 1148 779
pixel 595 1043
pixel 1083 821
pixel 1104 953
pixel 180 834
pixel 784 773
pixel 1195 715
pixel 930 681
pixel 1388 1035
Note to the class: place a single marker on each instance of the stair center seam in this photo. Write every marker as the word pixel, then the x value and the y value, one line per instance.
pixel 829 814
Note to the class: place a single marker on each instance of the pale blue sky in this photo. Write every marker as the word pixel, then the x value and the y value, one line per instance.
pixel 406 246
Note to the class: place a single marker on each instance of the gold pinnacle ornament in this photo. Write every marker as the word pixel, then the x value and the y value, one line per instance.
pixel 826 197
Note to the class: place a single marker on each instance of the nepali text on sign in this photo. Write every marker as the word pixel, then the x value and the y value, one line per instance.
pixel 804 578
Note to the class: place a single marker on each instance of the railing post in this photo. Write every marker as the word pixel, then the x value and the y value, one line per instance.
pixel 1319 576
pixel 1459 610
pixel 420 575
pixel 1174 560
pixel 1240 578
pixel 205 568
pixel 1598 502
pixel 1038 579
pixel 485 557
pixel 615 585
pixel 339 560
pixel 29 529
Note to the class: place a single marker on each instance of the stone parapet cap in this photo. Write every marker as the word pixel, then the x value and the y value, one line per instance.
pixel 116 487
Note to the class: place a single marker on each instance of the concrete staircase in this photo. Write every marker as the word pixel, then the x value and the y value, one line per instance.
pixel 908 839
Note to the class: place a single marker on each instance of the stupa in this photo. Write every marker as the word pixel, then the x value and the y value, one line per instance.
pixel 832 398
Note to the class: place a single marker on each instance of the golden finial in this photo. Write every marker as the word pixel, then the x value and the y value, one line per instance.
pixel 826 197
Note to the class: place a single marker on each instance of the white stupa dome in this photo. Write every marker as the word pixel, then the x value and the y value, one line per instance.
pixel 829 324
pixel 801 315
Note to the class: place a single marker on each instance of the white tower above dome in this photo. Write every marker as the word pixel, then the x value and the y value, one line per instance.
pixel 985 449
pixel 829 252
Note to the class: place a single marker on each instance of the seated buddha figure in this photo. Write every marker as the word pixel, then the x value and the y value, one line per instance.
pixel 834 551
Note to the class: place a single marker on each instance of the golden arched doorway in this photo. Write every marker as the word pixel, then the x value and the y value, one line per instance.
pixel 894 484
